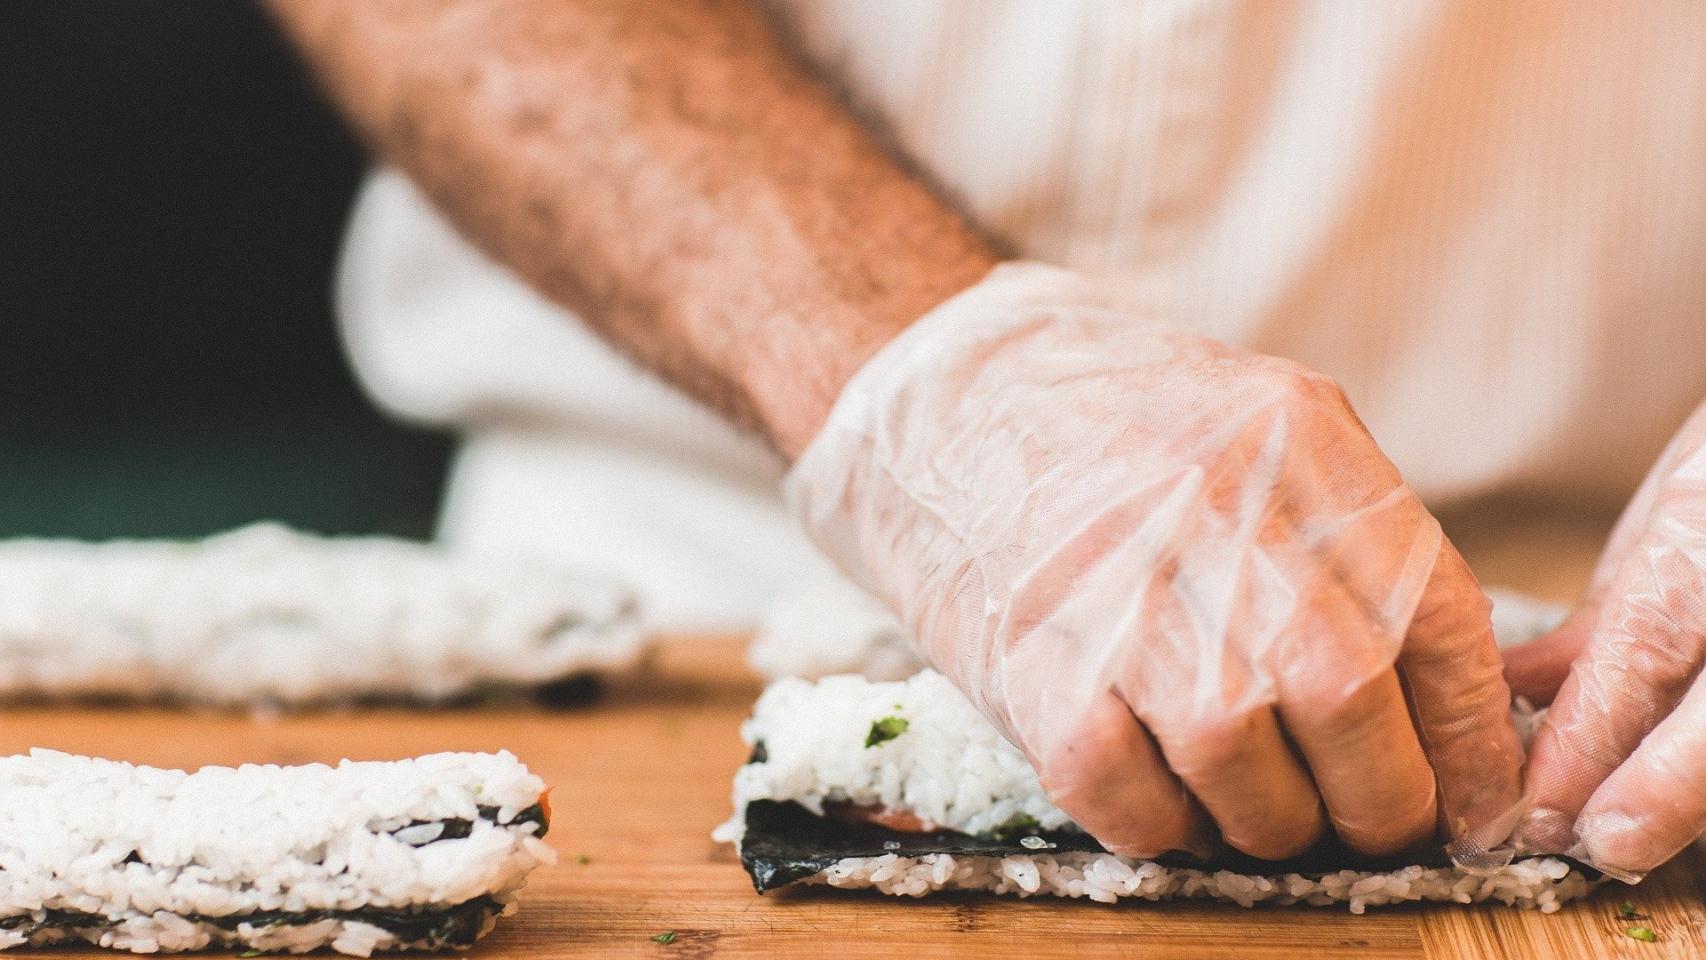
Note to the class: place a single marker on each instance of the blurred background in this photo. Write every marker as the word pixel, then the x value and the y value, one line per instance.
pixel 172 194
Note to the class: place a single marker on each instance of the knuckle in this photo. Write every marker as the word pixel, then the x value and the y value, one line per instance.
pixel 1153 834
pixel 1585 744
pixel 1336 700
pixel 1660 637
pixel 1092 753
pixel 1396 830
pixel 1275 838
pixel 1163 821
pixel 1207 744
pixel 1331 647
pixel 1066 773
pixel 1459 612
pixel 1471 710
pixel 1324 391
pixel 1343 702
pixel 1288 379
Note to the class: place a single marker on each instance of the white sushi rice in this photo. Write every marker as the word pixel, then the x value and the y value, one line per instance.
pixel 953 770
pixel 1542 884
pixel 265 614
pixel 160 854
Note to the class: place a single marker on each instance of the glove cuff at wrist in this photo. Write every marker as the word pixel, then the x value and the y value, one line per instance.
pixel 919 360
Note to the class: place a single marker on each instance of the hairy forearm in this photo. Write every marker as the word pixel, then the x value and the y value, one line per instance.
pixel 665 170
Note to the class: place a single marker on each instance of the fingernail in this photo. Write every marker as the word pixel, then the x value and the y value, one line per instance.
pixel 1616 844
pixel 1543 831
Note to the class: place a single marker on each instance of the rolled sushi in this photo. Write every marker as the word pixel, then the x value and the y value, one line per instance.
pixel 420 854
pixel 903 787
pixel 269 615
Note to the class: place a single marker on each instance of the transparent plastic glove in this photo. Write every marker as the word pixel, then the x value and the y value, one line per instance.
pixel 1617 773
pixel 1180 576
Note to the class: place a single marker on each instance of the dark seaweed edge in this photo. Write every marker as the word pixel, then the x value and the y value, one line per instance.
pixel 786 843
pixel 457 828
pixel 455 926
pixel 572 691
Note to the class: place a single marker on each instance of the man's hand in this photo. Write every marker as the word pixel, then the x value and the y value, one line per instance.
pixel 1617 774
pixel 1179 575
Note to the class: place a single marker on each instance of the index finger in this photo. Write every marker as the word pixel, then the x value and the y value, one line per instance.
pixel 1459 698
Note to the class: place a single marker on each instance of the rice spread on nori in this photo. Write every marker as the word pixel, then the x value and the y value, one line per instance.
pixel 821 800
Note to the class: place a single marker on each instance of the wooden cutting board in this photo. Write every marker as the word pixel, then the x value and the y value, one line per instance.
pixel 642 777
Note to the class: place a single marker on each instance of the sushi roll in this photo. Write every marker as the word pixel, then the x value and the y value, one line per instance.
pixel 905 788
pixel 420 854
pixel 267 615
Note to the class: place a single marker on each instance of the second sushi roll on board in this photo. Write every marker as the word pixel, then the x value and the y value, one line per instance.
pixel 420 854
pixel 266 615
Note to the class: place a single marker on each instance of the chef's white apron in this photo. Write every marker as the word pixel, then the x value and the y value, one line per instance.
pixel 1487 221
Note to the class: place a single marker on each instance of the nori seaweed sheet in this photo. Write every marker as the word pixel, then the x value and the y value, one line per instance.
pixel 435 928
pixel 575 690
pixel 457 829
pixel 454 926
pixel 786 843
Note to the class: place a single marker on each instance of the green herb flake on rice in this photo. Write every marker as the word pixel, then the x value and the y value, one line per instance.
pixel 1019 825
pixel 884 730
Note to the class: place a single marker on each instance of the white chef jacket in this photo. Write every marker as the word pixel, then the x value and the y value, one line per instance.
pixel 1486 220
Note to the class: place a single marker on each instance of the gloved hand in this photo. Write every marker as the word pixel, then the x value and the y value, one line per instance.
pixel 1172 571
pixel 1616 772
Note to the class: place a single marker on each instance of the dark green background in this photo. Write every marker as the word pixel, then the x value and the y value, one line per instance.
pixel 172 193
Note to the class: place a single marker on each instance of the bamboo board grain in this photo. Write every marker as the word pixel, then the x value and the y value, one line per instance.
pixel 642 777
